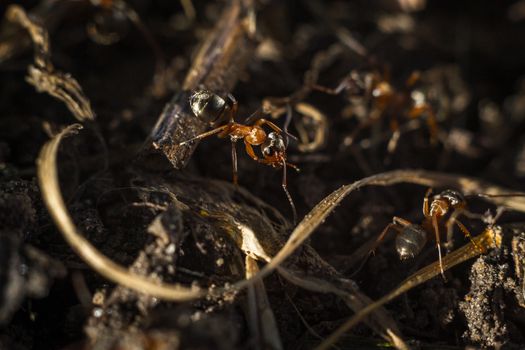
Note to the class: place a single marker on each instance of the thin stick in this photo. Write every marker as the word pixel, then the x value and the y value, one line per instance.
pixel 220 61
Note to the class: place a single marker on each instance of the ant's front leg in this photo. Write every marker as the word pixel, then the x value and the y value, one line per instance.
pixel 250 151
pixel 435 225
pixel 431 120
pixel 263 121
pixel 426 207
pixel 343 85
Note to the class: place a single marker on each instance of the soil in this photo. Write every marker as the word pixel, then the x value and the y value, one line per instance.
pixel 471 59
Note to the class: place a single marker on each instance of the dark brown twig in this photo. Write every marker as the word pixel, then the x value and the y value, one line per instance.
pixel 217 67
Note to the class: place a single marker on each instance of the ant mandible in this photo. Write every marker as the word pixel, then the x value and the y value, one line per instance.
pixel 375 87
pixel 219 113
pixel 412 238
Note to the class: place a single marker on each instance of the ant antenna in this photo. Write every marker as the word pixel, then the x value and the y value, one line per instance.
pixel 486 195
pixel 289 114
pixel 285 188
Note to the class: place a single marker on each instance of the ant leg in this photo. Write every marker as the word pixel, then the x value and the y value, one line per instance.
pixel 234 164
pixel 412 80
pixel 426 208
pixel 438 245
pixel 396 224
pixel 362 254
pixel 275 128
pixel 432 126
pixel 431 120
pixel 396 133
pixel 263 121
pixel 293 166
pixel 206 134
pixel 285 188
pixel 250 151
pixel 349 140
pixel 392 143
pixel 467 234
pixel 254 116
pixel 345 84
pixel 233 108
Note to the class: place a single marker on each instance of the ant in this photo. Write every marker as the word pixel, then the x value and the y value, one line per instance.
pixel 384 100
pixel 220 112
pixel 412 238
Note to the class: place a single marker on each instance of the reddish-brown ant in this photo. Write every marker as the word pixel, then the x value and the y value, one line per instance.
pixel 220 112
pixel 412 238
pixel 384 100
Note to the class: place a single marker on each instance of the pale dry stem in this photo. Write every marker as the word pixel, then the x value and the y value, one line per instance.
pixel 43 76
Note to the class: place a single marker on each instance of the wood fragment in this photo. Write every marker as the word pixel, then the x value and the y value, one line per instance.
pixel 219 62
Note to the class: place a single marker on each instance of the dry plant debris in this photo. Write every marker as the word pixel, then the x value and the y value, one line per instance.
pixel 43 75
pixel 369 100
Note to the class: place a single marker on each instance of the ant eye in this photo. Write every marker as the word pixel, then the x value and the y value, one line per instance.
pixel 207 106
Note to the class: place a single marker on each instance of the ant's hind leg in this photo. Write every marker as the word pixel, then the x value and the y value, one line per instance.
pixel 397 224
pixel 250 151
pixel 223 128
pixel 361 255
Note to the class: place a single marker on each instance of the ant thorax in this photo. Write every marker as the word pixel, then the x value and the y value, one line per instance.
pixel 256 136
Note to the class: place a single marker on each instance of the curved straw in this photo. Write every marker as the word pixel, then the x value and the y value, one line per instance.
pixel 49 184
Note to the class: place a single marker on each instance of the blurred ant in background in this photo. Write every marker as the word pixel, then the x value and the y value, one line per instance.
pixel 383 100
pixel 220 112
pixel 371 94
pixel 412 238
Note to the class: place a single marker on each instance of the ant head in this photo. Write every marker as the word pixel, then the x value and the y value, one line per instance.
pixel 207 106
pixel 274 144
pixel 454 198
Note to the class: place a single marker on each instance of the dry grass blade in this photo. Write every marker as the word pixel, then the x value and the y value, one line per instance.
pixel 264 324
pixel 49 184
pixel 420 177
pixel 489 239
pixel 43 76
pixel 381 323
